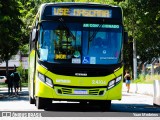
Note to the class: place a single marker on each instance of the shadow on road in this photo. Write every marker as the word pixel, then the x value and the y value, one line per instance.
pixel 23 96
pixel 77 107
pixel 117 107
pixel 73 107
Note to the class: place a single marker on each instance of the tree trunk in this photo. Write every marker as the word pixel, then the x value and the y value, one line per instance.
pixel 7 71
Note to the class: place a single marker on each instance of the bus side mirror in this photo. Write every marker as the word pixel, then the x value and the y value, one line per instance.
pixel 125 37
pixel 34 34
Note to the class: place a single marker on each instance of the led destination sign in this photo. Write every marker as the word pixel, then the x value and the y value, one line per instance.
pixel 103 26
pixel 81 12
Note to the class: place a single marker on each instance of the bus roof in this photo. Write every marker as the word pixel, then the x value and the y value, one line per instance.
pixel 76 3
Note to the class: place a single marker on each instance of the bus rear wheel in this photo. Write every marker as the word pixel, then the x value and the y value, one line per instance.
pixel 104 105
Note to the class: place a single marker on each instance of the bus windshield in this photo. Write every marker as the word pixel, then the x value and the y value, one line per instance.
pixel 80 43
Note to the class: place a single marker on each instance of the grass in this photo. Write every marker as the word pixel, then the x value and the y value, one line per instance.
pixel 24 84
pixel 2 85
pixel 148 79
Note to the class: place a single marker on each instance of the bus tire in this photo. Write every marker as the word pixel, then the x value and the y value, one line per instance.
pixel 40 103
pixel 48 102
pixel 31 100
pixel 105 105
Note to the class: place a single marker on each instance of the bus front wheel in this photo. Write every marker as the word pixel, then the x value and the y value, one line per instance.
pixel 105 105
pixel 42 103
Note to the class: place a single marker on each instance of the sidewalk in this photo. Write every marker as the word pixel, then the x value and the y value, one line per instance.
pixel 146 89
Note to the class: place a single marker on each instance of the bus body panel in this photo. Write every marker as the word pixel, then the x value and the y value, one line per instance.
pixel 57 62
pixel 31 73
pixel 44 91
pixel 89 86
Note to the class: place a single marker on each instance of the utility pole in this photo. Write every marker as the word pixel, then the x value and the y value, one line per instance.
pixel 134 59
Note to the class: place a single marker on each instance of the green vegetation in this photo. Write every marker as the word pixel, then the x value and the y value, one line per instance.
pixel 25 84
pixel 148 79
pixel 23 73
pixel 141 19
pixel 2 85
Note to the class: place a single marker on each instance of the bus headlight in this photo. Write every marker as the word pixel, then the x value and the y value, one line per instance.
pixel 114 82
pixel 45 79
pixel 41 77
pixel 118 79
pixel 111 84
pixel 49 82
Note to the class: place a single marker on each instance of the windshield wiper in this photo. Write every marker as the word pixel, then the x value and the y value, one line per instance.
pixel 90 38
pixel 67 29
pixel 95 33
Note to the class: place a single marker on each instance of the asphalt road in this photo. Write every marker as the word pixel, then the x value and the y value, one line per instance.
pixel 131 104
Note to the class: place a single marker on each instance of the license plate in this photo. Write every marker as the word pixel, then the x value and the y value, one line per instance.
pixel 80 92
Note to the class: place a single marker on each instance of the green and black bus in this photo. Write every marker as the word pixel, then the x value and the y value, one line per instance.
pixel 76 54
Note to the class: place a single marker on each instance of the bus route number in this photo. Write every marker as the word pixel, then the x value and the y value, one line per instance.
pixel 98 82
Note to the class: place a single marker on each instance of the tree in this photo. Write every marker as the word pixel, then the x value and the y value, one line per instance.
pixel 10 29
pixel 149 32
pixel 142 18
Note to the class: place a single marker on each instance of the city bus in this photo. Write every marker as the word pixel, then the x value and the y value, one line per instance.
pixel 76 54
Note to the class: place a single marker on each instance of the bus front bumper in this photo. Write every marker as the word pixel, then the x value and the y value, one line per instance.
pixel 78 93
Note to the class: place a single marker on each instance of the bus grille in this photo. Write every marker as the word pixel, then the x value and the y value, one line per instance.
pixel 66 91
pixel 94 92
pixel 70 91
